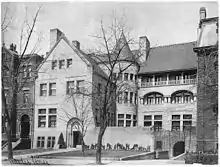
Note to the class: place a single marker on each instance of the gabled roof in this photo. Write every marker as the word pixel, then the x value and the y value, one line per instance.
pixel 88 60
pixel 170 58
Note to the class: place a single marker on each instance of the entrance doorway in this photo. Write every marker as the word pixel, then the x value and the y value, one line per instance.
pixel 25 127
pixel 76 138
pixel 178 148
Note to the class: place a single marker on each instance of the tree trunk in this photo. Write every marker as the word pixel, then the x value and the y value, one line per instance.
pixel 83 146
pixel 99 147
pixel 8 131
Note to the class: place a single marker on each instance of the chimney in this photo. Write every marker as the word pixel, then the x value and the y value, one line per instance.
pixel 144 48
pixel 202 13
pixel 55 35
pixel 76 44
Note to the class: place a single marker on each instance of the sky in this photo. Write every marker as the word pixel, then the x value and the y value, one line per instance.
pixel 163 23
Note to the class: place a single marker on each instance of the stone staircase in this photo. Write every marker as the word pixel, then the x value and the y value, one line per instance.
pixel 14 145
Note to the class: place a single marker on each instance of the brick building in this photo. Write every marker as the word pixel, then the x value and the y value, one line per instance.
pixel 22 126
pixel 207 89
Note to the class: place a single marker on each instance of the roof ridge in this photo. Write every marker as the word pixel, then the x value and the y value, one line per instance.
pixel 163 46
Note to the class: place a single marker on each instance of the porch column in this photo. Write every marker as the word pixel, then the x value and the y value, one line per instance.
pixel 181 78
pixel 153 81
pixel 167 79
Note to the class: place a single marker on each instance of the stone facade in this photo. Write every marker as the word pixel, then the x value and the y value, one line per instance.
pixel 207 105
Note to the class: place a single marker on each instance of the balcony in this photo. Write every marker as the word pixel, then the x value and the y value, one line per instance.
pixel 169 82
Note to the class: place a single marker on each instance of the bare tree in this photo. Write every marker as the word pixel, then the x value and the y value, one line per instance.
pixel 114 56
pixel 81 105
pixel 14 70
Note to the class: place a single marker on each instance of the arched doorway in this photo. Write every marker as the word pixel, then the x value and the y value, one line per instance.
pixel 178 148
pixel 73 132
pixel 25 127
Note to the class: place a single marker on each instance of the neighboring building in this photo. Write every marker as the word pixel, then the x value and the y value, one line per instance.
pixel 207 89
pixel 22 127
pixel 168 95
pixel 66 68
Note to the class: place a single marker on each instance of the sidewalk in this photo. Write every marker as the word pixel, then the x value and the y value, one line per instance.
pixel 40 153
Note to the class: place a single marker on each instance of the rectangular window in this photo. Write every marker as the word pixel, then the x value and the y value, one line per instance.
pixel 128 120
pixel 147 120
pixel 119 97
pixel 125 97
pixel 157 122
pixel 61 64
pixel 131 77
pixel 69 63
pixel 120 76
pixel 175 123
pixel 40 141
pixel 135 77
pixel 121 116
pixel 43 89
pixel 54 64
pixel 125 76
pixel 187 122
pixel 69 87
pixel 80 86
pixel 26 95
pixel 120 123
pixel 50 142
pixel 52 117
pixel 52 89
pixel 131 97
pixel 42 118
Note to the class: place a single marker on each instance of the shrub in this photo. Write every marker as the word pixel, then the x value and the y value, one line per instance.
pixel 208 158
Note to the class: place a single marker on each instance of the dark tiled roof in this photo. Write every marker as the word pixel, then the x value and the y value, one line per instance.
pixel 170 58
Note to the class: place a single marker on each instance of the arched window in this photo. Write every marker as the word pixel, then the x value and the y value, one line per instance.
pixel 182 97
pixel 153 98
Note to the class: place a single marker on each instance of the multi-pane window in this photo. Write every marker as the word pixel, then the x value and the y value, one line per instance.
pixel 40 141
pixel 41 118
pixel 128 120
pixel 69 87
pixel 125 76
pixel 119 97
pixel 50 142
pixel 80 86
pixel 61 64
pixel 54 64
pixel 52 89
pixel 187 122
pixel 131 97
pixel 121 120
pixel 125 97
pixel 182 97
pixel 52 117
pixel 43 89
pixel 153 98
pixel 175 123
pixel 69 63
pixel 147 120
pixel 131 77
pixel 26 94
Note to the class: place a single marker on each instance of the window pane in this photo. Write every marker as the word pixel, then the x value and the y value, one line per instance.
pixel 54 64
pixel 147 117
pixel 128 123
pixel 61 63
pixel 157 117
pixel 52 111
pixel 125 76
pixel 147 123
pixel 128 116
pixel 187 116
pixel 120 115
pixel 175 116
pixel 42 111
pixel 69 63
pixel 121 123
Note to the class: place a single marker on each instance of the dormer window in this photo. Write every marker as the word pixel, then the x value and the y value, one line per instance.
pixel 61 64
